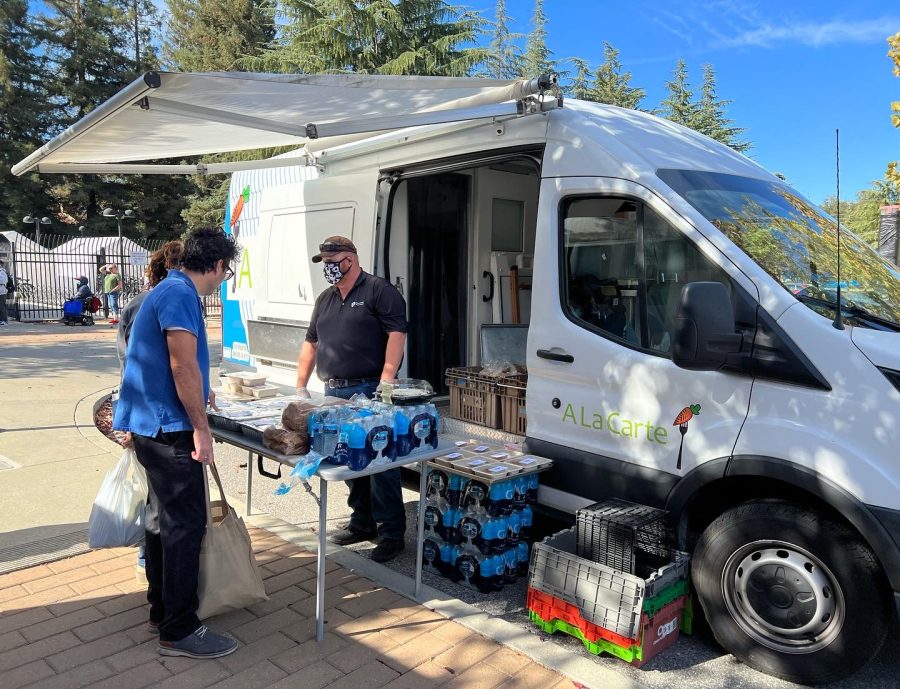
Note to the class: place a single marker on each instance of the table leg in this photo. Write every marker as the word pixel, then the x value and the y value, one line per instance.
pixel 320 569
pixel 420 527
pixel 249 481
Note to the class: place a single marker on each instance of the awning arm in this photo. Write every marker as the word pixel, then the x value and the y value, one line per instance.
pixel 402 121
pixel 224 117
pixel 151 169
pixel 123 99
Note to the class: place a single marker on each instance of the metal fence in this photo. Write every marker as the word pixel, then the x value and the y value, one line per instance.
pixel 46 272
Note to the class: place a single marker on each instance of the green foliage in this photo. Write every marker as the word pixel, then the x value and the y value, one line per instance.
pixel 537 59
pixel 580 87
pixel 705 115
pixel 504 60
pixel 215 35
pixel 612 85
pixel 863 215
pixel 893 174
pixel 23 113
pixel 416 37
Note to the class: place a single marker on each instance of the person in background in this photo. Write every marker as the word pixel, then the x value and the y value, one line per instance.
pixel 355 339
pixel 112 288
pixel 84 289
pixel 4 279
pixel 162 403
pixel 161 262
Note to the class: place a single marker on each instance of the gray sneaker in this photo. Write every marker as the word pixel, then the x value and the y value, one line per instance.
pixel 201 644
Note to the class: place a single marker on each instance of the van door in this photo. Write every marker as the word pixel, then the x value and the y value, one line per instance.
pixel 604 397
pixel 294 220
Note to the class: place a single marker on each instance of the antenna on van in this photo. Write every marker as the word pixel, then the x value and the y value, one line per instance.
pixel 838 322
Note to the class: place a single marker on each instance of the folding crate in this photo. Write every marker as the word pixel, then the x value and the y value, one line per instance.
pixel 512 409
pixel 473 397
pixel 657 633
pixel 606 597
pixel 623 535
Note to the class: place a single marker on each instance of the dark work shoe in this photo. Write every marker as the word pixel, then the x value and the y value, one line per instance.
pixel 350 535
pixel 201 644
pixel 387 549
pixel 153 627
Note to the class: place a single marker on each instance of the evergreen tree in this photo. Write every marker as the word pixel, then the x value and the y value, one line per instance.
pixel 679 105
pixel 580 88
pixel 215 35
pixel 710 114
pixel 611 85
pixel 504 61
pixel 537 59
pixel 23 114
pixel 418 37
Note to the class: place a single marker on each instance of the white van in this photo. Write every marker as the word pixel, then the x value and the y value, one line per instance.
pixel 682 348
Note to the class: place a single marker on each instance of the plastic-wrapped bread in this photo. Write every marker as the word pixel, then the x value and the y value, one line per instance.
pixel 294 415
pixel 286 442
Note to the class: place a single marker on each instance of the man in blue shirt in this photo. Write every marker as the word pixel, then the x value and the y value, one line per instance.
pixel 162 402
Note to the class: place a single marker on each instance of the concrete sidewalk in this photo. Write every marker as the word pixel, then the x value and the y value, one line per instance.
pixel 81 621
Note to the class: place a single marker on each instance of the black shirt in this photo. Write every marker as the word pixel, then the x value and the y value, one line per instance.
pixel 351 335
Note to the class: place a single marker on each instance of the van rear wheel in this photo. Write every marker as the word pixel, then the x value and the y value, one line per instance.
pixel 791 592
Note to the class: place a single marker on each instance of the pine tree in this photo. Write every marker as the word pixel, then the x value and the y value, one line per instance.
pixel 417 37
pixel 611 85
pixel 710 114
pixel 537 59
pixel 580 88
pixel 216 35
pixel 23 114
pixel 679 105
pixel 504 61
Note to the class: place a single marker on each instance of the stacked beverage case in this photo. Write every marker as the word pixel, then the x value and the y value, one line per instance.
pixel 368 432
pixel 478 515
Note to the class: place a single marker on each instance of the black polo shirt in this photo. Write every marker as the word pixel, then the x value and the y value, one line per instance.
pixel 351 335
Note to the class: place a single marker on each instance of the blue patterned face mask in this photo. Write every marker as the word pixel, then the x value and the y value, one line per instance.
pixel 333 272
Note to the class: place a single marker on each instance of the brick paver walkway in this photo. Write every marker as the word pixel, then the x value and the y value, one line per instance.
pixel 82 622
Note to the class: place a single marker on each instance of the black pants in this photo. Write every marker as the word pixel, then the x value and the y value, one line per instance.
pixel 175 525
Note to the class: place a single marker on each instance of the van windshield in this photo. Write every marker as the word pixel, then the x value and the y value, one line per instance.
pixel 796 243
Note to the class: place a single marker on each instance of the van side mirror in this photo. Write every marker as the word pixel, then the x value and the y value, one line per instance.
pixel 704 328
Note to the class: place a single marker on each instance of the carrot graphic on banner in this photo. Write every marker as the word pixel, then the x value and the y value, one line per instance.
pixel 682 420
pixel 242 201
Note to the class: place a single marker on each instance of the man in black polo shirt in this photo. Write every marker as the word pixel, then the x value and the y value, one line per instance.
pixel 355 339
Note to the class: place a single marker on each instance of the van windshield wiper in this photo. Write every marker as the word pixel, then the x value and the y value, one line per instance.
pixel 851 309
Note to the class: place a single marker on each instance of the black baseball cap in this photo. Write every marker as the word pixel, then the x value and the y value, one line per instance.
pixel 334 245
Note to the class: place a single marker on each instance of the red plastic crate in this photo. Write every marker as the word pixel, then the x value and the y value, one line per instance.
pixel 552 608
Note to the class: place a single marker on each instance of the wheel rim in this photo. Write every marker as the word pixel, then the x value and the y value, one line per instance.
pixel 783 597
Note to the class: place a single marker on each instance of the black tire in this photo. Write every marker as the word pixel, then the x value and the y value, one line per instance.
pixel 791 593
pixel 87 320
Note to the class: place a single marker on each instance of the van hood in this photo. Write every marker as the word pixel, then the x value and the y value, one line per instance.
pixel 881 347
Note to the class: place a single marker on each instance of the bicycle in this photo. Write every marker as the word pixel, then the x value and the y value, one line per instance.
pixel 24 288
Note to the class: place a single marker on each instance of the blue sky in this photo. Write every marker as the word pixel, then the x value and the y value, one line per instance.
pixel 796 71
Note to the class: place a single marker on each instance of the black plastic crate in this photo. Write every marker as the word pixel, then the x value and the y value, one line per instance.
pixel 631 538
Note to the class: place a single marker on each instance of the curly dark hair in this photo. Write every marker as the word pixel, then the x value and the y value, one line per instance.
pixel 161 261
pixel 204 247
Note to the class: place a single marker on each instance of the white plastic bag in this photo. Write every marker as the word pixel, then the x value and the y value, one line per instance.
pixel 117 517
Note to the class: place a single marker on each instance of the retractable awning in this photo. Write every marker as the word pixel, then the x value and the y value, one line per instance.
pixel 165 115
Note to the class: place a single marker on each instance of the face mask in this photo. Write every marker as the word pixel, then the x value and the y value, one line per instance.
pixel 333 272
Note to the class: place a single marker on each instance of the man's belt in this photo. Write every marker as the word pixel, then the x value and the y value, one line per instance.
pixel 350 382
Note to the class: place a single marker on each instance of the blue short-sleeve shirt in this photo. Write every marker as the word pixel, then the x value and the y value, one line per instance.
pixel 148 400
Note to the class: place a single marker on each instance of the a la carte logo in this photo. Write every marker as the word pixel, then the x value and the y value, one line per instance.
pixel 613 422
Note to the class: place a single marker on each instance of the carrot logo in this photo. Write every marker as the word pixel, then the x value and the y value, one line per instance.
pixel 242 201
pixel 682 420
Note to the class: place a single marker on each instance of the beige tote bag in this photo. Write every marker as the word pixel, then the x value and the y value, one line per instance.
pixel 229 576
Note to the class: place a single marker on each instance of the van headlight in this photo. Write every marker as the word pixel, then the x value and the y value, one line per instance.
pixel 893 376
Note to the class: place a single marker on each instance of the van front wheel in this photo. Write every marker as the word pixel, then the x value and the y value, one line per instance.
pixel 791 592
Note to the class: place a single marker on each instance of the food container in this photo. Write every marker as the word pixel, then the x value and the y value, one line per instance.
pixel 230 384
pixel 530 462
pixel 482 448
pixel 404 391
pixel 470 463
pixel 494 471
pixel 503 455
pixel 448 459
pixel 254 428
pixel 252 380
pixel 261 391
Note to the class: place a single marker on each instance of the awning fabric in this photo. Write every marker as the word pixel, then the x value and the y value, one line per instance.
pixel 166 115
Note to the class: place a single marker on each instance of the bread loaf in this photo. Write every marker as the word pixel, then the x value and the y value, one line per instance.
pixel 285 441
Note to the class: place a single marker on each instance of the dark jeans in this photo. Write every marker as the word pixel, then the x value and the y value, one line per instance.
pixel 175 523
pixel 377 500
pixel 4 315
